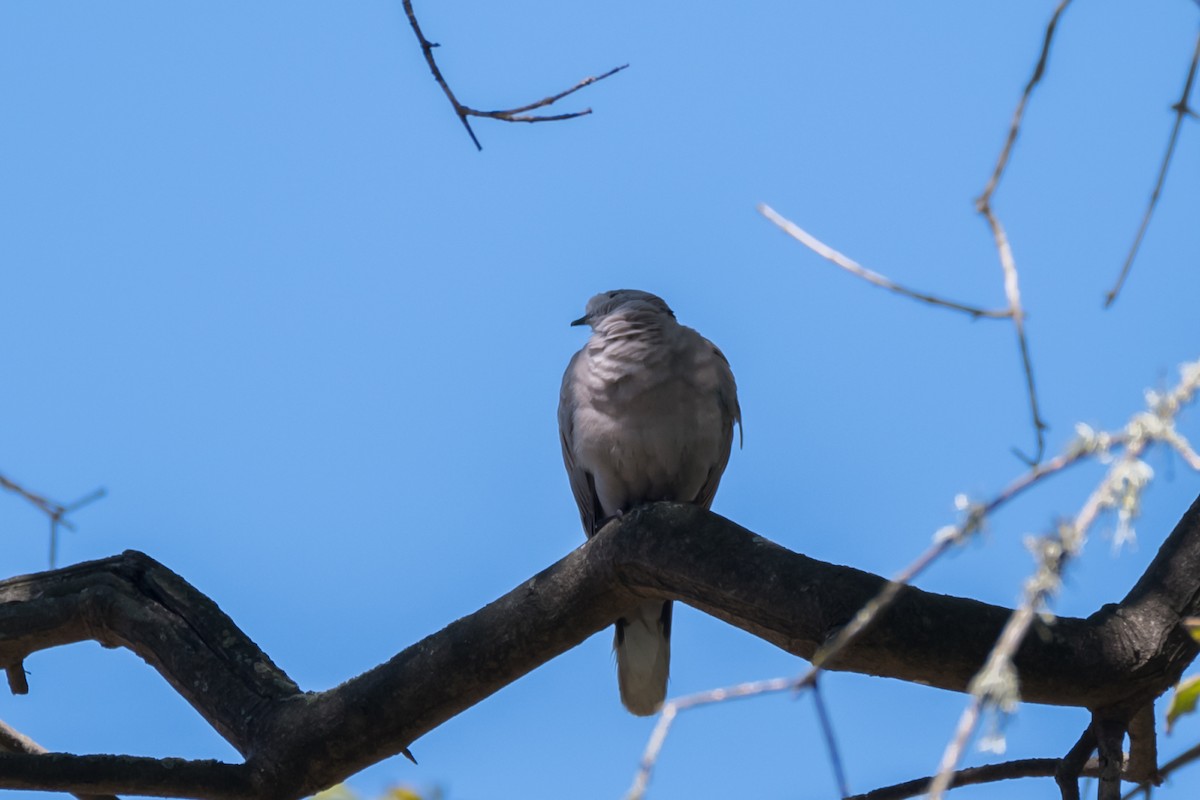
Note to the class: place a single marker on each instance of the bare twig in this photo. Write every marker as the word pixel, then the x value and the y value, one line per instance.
pixel 517 114
pixel 1090 444
pixel 1087 444
pixel 983 204
pixel 1014 128
pixel 672 708
pixel 835 756
pixel 845 262
pixel 989 773
pixel 57 512
pixel 1119 489
pixel 1182 110
pixel 996 684
pixel 1013 292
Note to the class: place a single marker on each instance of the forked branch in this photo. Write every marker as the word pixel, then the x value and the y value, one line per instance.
pixel 55 511
pixel 518 114
pixel 296 743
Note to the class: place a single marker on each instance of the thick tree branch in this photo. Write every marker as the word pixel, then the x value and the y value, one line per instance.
pixel 164 777
pixel 296 743
pixel 13 741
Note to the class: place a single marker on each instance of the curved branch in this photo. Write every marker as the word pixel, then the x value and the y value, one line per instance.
pixel 1182 111
pixel 517 114
pixel 296 743
pixel 988 773
pixel 163 777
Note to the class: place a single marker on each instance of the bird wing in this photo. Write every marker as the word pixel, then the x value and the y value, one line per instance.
pixel 583 486
pixel 731 414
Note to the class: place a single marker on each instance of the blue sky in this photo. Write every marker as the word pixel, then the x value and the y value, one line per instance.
pixel 258 284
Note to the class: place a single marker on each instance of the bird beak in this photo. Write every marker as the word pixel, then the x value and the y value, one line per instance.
pixel 581 321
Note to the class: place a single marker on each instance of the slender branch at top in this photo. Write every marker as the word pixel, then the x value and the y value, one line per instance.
pixel 1181 110
pixel 1014 128
pixel 517 114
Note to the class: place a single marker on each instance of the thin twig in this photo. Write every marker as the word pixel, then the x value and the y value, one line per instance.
pixel 1012 291
pixel 1014 128
pixel 835 756
pixel 1091 445
pixel 511 114
pixel 507 115
pixel 672 708
pixel 1088 444
pixel 983 204
pixel 1119 486
pixel 996 684
pixel 57 512
pixel 850 265
pixel 989 773
pixel 1181 110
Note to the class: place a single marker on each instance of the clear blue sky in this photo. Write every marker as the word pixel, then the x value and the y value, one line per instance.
pixel 258 284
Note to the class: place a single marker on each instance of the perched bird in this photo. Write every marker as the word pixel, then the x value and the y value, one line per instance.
pixel 646 413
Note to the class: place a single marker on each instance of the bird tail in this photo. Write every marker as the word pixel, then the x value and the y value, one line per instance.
pixel 643 645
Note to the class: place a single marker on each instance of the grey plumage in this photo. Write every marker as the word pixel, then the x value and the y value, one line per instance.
pixel 646 413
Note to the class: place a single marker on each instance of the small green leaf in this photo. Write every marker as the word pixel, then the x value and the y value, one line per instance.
pixel 402 793
pixel 1183 701
pixel 1192 624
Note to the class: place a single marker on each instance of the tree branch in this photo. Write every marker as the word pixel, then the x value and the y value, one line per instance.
pixel 1072 765
pixel 13 741
pixel 55 511
pixel 162 777
pixel 1182 111
pixel 989 773
pixel 983 204
pixel 517 114
pixel 296 743
pixel 870 276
